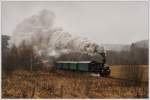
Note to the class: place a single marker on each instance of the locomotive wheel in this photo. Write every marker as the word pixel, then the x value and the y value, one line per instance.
pixel 102 73
pixel 108 72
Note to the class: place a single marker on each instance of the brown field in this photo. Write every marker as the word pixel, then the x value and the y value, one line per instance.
pixel 128 72
pixel 60 84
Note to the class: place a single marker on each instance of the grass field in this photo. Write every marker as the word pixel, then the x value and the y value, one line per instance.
pixel 60 84
pixel 130 72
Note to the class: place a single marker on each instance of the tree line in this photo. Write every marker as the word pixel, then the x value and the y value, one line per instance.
pixel 24 56
pixel 135 56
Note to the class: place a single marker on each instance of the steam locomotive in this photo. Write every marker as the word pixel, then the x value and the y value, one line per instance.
pixel 92 66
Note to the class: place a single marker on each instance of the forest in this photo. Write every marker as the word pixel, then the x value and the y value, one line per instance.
pixel 25 57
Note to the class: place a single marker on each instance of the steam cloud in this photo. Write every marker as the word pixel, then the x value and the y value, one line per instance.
pixel 39 31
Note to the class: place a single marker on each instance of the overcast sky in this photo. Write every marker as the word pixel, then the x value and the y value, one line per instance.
pixel 103 22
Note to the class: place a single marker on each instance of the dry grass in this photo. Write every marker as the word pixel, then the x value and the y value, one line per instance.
pixel 128 71
pixel 25 84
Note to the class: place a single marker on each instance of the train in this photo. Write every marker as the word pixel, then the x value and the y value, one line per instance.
pixel 95 64
pixel 85 66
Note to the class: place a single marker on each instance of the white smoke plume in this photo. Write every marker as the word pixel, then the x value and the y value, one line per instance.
pixel 39 31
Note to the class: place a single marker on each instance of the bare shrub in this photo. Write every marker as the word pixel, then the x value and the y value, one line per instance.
pixel 132 75
pixel 88 87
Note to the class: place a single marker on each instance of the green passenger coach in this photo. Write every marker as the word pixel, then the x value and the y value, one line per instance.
pixel 84 66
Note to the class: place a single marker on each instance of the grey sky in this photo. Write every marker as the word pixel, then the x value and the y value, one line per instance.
pixel 103 22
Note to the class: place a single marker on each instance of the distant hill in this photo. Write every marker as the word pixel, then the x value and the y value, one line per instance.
pixel 116 47
pixel 120 47
pixel 142 44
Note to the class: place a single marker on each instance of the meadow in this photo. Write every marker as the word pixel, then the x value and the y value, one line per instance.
pixel 130 72
pixel 65 84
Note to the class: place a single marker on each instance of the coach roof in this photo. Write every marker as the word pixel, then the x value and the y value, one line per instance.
pixel 74 61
